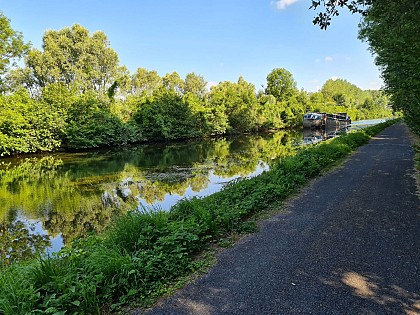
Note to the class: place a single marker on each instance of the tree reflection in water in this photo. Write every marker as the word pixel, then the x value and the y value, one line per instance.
pixel 18 242
pixel 74 194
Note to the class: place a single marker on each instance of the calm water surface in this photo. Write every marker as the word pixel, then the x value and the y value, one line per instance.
pixel 64 196
pixel 46 201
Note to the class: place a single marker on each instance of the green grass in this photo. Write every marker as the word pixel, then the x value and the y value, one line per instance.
pixel 146 254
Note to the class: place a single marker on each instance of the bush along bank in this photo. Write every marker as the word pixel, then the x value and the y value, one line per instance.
pixel 144 252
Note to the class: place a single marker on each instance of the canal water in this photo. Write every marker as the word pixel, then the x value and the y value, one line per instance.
pixel 47 201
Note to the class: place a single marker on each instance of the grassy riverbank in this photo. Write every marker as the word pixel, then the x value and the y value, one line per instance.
pixel 143 253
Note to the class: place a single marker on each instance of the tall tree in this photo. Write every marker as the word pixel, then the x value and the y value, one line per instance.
pixel 239 103
pixel 270 112
pixel 281 85
pixel 12 46
pixel 75 58
pixel 343 93
pixel 392 30
pixel 145 82
pixel 164 117
pixel 172 82
pixel 195 84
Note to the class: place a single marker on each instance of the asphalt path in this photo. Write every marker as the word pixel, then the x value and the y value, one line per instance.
pixel 350 244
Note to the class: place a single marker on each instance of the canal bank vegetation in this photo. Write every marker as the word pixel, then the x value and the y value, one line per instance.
pixel 143 253
pixel 74 94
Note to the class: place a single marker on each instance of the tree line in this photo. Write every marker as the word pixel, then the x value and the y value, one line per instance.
pixel 73 94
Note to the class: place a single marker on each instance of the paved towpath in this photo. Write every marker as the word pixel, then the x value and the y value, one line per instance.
pixel 350 245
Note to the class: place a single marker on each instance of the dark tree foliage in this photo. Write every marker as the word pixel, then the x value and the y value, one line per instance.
pixel 90 124
pixel 164 118
pixel 392 30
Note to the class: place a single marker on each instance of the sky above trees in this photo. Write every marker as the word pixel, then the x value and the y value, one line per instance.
pixel 220 40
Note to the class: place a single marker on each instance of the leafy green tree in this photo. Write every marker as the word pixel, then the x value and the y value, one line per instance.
pixel 239 102
pixel 317 101
pixel 270 112
pixel 165 117
pixel 391 28
pixel 195 84
pixel 216 116
pixel 381 99
pixel 376 104
pixel 173 82
pixel 20 78
pixel 75 58
pixel 281 85
pixel 342 96
pixel 342 93
pixel 200 113
pixel 340 99
pixel 121 86
pixel 295 109
pixel 303 99
pixel 12 46
pixel 28 125
pixel 245 116
pixel 145 82
pixel 91 124
pixel 392 31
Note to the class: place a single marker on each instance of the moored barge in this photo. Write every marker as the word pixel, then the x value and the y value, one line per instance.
pixel 322 120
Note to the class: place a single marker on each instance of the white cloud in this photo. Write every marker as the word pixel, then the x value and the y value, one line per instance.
pixel 282 4
pixel 328 59
pixel 334 77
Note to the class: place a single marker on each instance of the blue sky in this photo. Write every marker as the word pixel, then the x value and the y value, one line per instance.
pixel 218 39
